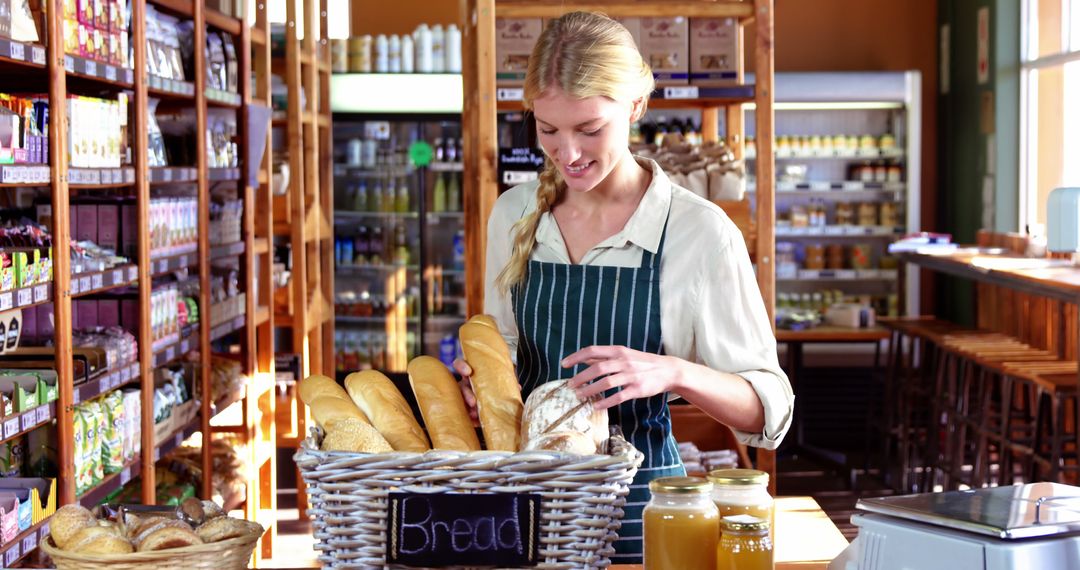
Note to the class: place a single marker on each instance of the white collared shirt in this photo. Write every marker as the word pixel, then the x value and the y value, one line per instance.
pixel 710 305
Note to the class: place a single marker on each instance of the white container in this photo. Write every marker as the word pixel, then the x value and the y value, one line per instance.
pixel 407 61
pixel 452 47
pixel 423 49
pixel 354 152
pixel 438 49
pixel 382 54
pixel 394 58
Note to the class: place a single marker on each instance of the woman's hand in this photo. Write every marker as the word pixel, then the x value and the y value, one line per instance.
pixel 640 374
pixel 462 368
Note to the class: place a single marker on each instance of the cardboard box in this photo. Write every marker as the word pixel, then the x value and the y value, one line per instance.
pixel 715 51
pixel 129 231
pixel 514 41
pixel 87 311
pixel 108 313
pixel 129 314
pixel 108 222
pixel 88 222
pixel 665 47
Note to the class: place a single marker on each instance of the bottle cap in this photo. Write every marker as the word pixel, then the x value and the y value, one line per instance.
pixel 680 485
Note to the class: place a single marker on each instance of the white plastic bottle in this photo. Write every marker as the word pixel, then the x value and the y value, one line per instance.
pixel 423 49
pixel 394 58
pixel 407 62
pixel 438 49
pixel 382 55
pixel 453 49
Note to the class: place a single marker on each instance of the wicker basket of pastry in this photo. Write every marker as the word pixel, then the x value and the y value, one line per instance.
pixel 193 536
pixel 369 457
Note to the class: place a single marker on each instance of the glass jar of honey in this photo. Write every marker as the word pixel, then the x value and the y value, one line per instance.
pixel 681 525
pixel 744 544
pixel 742 492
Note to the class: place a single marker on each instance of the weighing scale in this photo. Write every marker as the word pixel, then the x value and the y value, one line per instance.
pixel 1031 527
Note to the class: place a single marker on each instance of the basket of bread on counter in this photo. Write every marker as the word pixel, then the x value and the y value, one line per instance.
pixel 195 535
pixel 539 483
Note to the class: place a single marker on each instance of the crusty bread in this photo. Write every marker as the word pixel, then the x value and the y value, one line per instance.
pixel 67 521
pixel 383 404
pixel 169 537
pixel 573 442
pixel 498 394
pixel 351 434
pixel 442 405
pixel 317 386
pixel 486 320
pixel 552 401
pixel 224 528
pixel 150 525
pixel 212 509
pixel 327 409
pixel 98 539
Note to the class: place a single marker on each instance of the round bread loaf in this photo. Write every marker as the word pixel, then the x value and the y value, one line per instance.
pixel 67 522
pixel 351 434
pixel 150 526
pixel 551 402
pixel 573 442
pixel 168 537
pixel 99 540
pixel 224 528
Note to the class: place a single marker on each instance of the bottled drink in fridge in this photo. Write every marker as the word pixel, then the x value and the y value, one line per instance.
pixel 402 202
pixel 375 197
pixel 453 194
pixel 438 201
pixel 360 198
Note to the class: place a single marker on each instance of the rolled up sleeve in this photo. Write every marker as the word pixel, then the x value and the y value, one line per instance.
pixel 732 334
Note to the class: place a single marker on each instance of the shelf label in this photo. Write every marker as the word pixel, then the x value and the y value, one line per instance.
pixel 12 555
pixel 182 261
pixel 18 51
pixel 185 346
pixel 98 280
pixel 69 64
pixel 6 301
pixel 852 186
pixel 90 67
pixel 125 376
pixel 133 273
pixel 41 293
pixel 125 476
pixel 820 186
pixel 43 414
pixel 76 396
pixel 117 276
pixel 170 353
pixel 29 543
pixel 509 94
pixel 24 297
pixel 110 73
pixel 37 55
pixel 75 287
pixel 688 92
pixel 11 427
pixel 163 266
pixel 157 453
pixel 834 230
pixel 106 383
pixel 84 284
pixel 44 531
pixel 27 420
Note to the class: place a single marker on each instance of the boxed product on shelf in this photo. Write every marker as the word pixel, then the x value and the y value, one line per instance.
pixel 173 225
pixel 164 57
pixel 665 47
pixel 225 219
pixel 221 150
pixel 23 389
pixel 91 27
pixel 94 131
pixel 514 41
pixel 715 51
pixel 23 123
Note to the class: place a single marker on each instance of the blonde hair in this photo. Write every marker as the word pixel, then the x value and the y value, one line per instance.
pixel 586 55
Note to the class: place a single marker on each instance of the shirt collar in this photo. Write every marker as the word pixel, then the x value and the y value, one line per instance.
pixel 645 226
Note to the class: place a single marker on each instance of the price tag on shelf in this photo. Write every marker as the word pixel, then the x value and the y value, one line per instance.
pixel 820 186
pixel 170 353
pixel 852 186
pixel 98 280
pixel 125 376
pixel 84 284
pixel 107 383
pixel 11 427
pixel 509 94
pixel 29 543
pixel 688 92
pixel 75 287
pixel 117 276
pixel 182 261
pixel 133 273
pixel 37 55
pixel 7 301
pixel 90 67
pixel 24 297
pixel 12 555
pixel 157 453
pixel 27 420
pixel 43 414
pixel 834 230
pixel 44 531
pixel 76 396
pixel 41 293
pixel 125 476
pixel 185 346
pixel 163 266
pixel 69 64
pixel 110 73
pixel 18 51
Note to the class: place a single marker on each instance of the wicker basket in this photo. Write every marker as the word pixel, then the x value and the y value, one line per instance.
pixel 232 554
pixel 581 497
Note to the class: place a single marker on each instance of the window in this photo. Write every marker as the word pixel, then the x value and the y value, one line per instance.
pixel 337 16
pixel 1050 104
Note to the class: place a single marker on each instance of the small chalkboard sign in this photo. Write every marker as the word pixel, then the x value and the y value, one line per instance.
pixel 453 529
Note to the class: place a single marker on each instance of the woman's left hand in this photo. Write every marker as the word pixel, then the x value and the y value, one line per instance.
pixel 640 374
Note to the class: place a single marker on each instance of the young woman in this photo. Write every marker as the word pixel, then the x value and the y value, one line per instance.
pixel 605 273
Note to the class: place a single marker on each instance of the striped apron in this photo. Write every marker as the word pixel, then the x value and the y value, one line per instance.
pixel 560 309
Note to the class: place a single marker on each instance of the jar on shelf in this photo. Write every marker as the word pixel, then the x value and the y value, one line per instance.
pixel 742 492
pixel 834 256
pixel 845 213
pixel 744 544
pixel 868 214
pixel 887 142
pixel 800 218
pixel 889 214
pixel 815 256
pixel 895 173
pixel 861 256
pixel 881 172
pixel 787 266
pixel 681 524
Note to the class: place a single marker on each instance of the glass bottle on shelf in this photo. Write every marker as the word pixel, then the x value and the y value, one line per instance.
pixel 439 194
pixel 375 246
pixel 402 195
pixel 360 197
pixel 389 199
pixel 401 245
pixel 375 197
pixel 362 248
pixel 451 150
pixel 440 153
pixel 453 194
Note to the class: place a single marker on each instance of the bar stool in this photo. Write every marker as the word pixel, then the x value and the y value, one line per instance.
pixel 1054 389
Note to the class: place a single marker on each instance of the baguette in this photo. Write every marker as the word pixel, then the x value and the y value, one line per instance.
pixel 442 405
pixel 328 409
pixel 316 386
pixel 383 404
pixel 498 394
pixel 486 320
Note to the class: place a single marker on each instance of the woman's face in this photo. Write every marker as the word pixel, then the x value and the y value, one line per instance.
pixel 585 138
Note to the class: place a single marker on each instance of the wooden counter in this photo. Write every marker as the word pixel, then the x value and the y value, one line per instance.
pixel 1052 278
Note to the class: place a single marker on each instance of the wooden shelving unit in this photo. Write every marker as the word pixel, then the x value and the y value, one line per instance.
pixel 303 218
pixel 482 105
pixel 66 74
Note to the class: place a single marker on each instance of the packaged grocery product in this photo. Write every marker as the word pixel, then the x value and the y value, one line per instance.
pixel 82 473
pixel 112 441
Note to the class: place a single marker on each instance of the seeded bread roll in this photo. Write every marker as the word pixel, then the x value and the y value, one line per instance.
pixel 169 537
pixel 351 434
pixel 383 404
pixel 498 394
pixel 99 539
pixel 67 522
pixel 441 405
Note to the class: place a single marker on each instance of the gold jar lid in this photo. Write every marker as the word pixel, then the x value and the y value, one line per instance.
pixel 744 523
pixel 738 477
pixel 680 485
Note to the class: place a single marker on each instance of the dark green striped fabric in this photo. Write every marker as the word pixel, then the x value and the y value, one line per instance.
pixel 560 309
